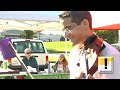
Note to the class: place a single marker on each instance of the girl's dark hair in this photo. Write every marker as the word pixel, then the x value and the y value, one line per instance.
pixel 77 16
pixel 64 59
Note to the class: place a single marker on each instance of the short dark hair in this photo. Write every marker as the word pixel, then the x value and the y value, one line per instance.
pixel 77 16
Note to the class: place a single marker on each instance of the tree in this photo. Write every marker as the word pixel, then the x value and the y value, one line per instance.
pixel 63 38
pixel 108 36
pixel 28 34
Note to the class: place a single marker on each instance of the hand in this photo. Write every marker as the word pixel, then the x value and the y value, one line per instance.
pixel 81 76
pixel 90 76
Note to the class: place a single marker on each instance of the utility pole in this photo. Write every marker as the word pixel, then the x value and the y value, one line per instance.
pixel 65 47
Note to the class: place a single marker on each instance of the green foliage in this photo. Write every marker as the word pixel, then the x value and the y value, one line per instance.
pixel 28 34
pixel 108 36
pixel 62 38
pixel 50 76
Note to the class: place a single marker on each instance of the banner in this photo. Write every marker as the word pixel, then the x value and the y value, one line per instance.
pixel 6 49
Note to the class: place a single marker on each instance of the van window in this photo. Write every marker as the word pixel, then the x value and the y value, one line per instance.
pixel 36 47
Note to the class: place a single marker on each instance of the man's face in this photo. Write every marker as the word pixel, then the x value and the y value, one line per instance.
pixel 28 53
pixel 76 32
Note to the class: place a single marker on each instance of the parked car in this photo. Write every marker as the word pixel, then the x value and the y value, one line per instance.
pixel 38 51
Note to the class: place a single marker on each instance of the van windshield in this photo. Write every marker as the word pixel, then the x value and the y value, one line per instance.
pixel 36 47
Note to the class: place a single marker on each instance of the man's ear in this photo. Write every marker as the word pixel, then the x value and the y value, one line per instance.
pixel 85 21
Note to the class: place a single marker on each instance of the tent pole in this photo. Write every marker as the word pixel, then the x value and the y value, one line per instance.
pixel 65 47
pixel 38 36
pixel 119 36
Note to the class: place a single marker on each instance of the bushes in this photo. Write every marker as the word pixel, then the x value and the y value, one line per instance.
pixel 108 36
pixel 63 38
pixel 28 34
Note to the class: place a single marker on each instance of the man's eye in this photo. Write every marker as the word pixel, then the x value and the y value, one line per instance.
pixel 67 29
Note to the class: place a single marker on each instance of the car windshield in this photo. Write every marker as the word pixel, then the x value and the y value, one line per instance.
pixel 36 47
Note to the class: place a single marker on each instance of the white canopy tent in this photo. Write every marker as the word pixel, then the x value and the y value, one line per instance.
pixel 29 20
pixel 33 18
pixel 48 20
pixel 42 20
pixel 106 20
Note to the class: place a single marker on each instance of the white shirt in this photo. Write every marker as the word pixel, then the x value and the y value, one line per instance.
pixel 108 51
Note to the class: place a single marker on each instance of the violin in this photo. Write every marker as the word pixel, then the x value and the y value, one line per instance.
pixel 94 45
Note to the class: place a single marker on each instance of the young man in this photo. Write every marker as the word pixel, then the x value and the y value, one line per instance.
pixel 83 60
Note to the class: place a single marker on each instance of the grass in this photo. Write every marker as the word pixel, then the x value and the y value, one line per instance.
pixel 58 47
pixel 55 58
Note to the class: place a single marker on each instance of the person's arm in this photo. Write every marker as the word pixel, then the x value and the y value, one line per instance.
pixel 71 65
pixel 66 63
pixel 36 64
pixel 56 63
pixel 24 61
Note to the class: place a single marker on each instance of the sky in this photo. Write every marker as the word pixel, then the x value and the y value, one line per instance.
pixel 30 15
pixel 100 18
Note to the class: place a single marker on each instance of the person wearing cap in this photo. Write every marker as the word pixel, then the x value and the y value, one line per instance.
pixel 88 47
pixel 30 60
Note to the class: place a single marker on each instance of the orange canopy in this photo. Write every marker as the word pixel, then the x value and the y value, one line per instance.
pixel 108 27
